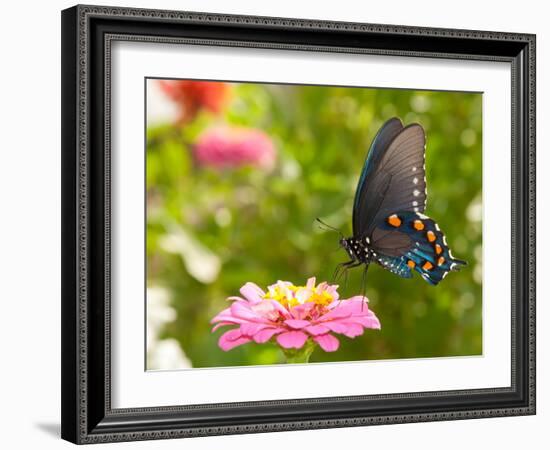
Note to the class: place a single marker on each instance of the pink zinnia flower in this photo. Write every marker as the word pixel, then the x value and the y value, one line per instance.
pixel 234 147
pixel 192 96
pixel 292 315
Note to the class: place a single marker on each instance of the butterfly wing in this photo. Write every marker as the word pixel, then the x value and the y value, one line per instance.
pixel 393 176
pixel 397 265
pixel 407 241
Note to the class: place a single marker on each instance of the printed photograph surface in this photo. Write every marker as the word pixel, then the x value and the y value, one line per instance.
pixel 310 224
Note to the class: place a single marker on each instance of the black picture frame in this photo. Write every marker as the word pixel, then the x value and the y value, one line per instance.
pixel 87 416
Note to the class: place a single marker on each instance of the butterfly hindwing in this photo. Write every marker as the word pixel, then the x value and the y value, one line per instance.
pixel 427 252
pixel 396 265
pixel 393 176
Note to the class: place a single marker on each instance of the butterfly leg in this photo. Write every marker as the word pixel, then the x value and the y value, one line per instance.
pixel 342 268
pixel 339 270
pixel 364 284
pixel 346 278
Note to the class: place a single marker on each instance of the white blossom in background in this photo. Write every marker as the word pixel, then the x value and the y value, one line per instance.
pixel 160 109
pixel 201 263
pixel 474 213
pixel 165 353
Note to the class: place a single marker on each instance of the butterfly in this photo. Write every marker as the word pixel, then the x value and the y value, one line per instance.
pixel 389 225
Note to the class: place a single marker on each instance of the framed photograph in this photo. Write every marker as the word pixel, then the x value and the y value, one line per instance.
pixel 280 224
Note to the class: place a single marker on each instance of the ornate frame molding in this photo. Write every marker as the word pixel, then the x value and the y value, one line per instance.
pixel 88 32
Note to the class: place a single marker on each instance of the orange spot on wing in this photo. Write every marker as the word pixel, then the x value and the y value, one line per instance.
pixel 427 265
pixel 430 235
pixel 438 249
pixel 440 261
pixel 418 225
pixel 394 220
pixel 411 264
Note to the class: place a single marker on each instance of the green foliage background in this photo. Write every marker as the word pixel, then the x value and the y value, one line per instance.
pixel 261 225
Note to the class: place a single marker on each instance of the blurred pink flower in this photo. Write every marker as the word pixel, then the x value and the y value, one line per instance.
pixel 293 314
pixel 233 147
pixel 192 96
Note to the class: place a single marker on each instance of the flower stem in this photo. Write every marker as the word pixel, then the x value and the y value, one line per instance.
pixel 299 355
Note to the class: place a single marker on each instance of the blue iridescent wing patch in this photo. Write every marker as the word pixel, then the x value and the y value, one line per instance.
pixel 397 265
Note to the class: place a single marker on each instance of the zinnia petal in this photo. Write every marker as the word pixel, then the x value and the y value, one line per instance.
pixel 337 327
pixel 317 329
pixel 353 330
pixel 370 321
pixel 358 303
pixel 250 329
pixel 276 305
pixel 333 290
pixel 292 339
pixel 227 316
pixel 232 339
pixel 303 295
pixel 266 310
pixel 244 312
pixel 221 324
pixel 252 292
pixel 266 334
pixel 233 334
pixel 297 324
pixel 301 311
pixel 340 311
pixel 327 342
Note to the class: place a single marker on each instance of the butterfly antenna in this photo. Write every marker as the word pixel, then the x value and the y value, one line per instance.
pixel 327 227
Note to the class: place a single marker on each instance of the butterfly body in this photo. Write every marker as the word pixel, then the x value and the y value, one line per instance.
pixel 389 225
pixel 358 249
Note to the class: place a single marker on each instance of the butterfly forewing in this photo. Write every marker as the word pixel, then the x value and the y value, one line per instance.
pixel 394 178
pixel 364 193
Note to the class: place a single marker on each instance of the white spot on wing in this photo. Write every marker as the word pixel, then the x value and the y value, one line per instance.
pixel 416 192
pixel 415 180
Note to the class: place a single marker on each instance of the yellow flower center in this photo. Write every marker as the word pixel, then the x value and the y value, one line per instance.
pixel 323 298
pixel 291 295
